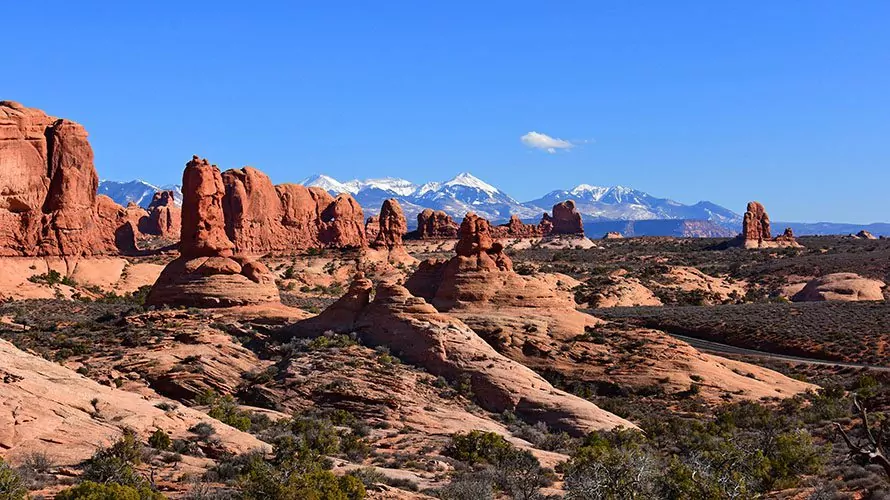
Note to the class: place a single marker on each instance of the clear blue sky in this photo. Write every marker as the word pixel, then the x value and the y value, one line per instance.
pixel 787 102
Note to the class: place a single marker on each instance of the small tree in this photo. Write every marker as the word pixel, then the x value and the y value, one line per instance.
pixel 871 449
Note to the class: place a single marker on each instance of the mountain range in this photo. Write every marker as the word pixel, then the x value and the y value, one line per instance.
pixel 603 208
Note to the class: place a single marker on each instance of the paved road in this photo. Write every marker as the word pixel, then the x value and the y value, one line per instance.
pixel 716 347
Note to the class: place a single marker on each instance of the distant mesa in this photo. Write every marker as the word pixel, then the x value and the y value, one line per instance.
pixel 208 273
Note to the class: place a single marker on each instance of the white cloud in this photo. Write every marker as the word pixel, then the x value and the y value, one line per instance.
pixel 538 140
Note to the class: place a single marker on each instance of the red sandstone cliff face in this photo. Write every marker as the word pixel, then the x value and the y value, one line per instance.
pixel 518 229
pixel 48 201
pixel 263 218
pixel 565 219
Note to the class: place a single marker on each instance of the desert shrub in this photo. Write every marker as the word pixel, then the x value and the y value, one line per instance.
pixel 52 277
pixel 476 447
pixel 296 478
pixel 116 464
pixel 11 484
pixel 159 440
pixel 90 490
pixel 475 486
pixel 225 409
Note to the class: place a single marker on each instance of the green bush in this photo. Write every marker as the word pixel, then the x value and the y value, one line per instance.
pixel 296 479
pixel 111 491
pixel 477 447
pixel 225 409
pixel 11 485
pixel 116 464
pixel 159 440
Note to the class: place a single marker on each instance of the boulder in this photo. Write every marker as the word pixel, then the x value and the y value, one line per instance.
pixel 433 225
pixel 207 273
pixel 48 186
pixel 843 287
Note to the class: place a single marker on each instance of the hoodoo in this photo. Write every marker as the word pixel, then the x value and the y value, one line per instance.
pixel 208 273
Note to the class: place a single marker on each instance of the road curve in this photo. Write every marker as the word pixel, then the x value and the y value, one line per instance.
pixel 718 348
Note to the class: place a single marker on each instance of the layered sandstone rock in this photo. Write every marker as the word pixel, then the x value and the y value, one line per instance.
pixel 392 225
pixel 437 224
pixel 45 407
pixel 845 287
pixel 864 235
pixel 613 235
pixel 755 224
pixel 207 274
pixel 372 227
pixel 515 228
pixel 445 347
pixel 48 200
pixel 756 231
pixel 565 219
pixel 263 218
pixel 164 218
pixel 533 320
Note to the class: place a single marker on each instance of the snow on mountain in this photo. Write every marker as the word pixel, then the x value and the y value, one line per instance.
pixel 138 191
pixel 467 193
pixel 623 203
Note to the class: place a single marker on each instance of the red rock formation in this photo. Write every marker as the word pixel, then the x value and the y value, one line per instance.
pixel 372 227
pixel 565 219
pixel 517 229
pixel 841 287
pixel 207 274
pixel 613 235
pixel 392 225
pixel 446 347
pixel 434 225
pixel 788 235
pixel 477 247
pixel 48 201
pixel 164 218
pixel 264 218
pixel 755 224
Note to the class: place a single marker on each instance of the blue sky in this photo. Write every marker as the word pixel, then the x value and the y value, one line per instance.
pixel 785 102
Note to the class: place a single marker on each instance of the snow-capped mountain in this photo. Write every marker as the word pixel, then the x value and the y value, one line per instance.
pixel 457 196
pixel 623 203
pixel 138 191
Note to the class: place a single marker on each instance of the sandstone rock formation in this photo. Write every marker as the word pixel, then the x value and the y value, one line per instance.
pixel 444 346
pixel 261 218
pixel 755 224
pixel 392 225
pixel 845 287
pixel 613 235
pixel 515 228
pixel 621 290
pixel 436 225
pixel 45 407
pixel 533 320
pixel 565 219
pixel 756 231
pixel 48 200
pixel 372 227
pixel 207 274
pixel 864 235
pixel 164 218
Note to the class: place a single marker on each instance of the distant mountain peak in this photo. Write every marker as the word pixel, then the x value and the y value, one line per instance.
pixel 469 180
pixel 327 183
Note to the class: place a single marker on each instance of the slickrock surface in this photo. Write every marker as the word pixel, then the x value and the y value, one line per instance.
pixel 44 406
pixel 445 346
pixel 841 287
pixel 207 274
